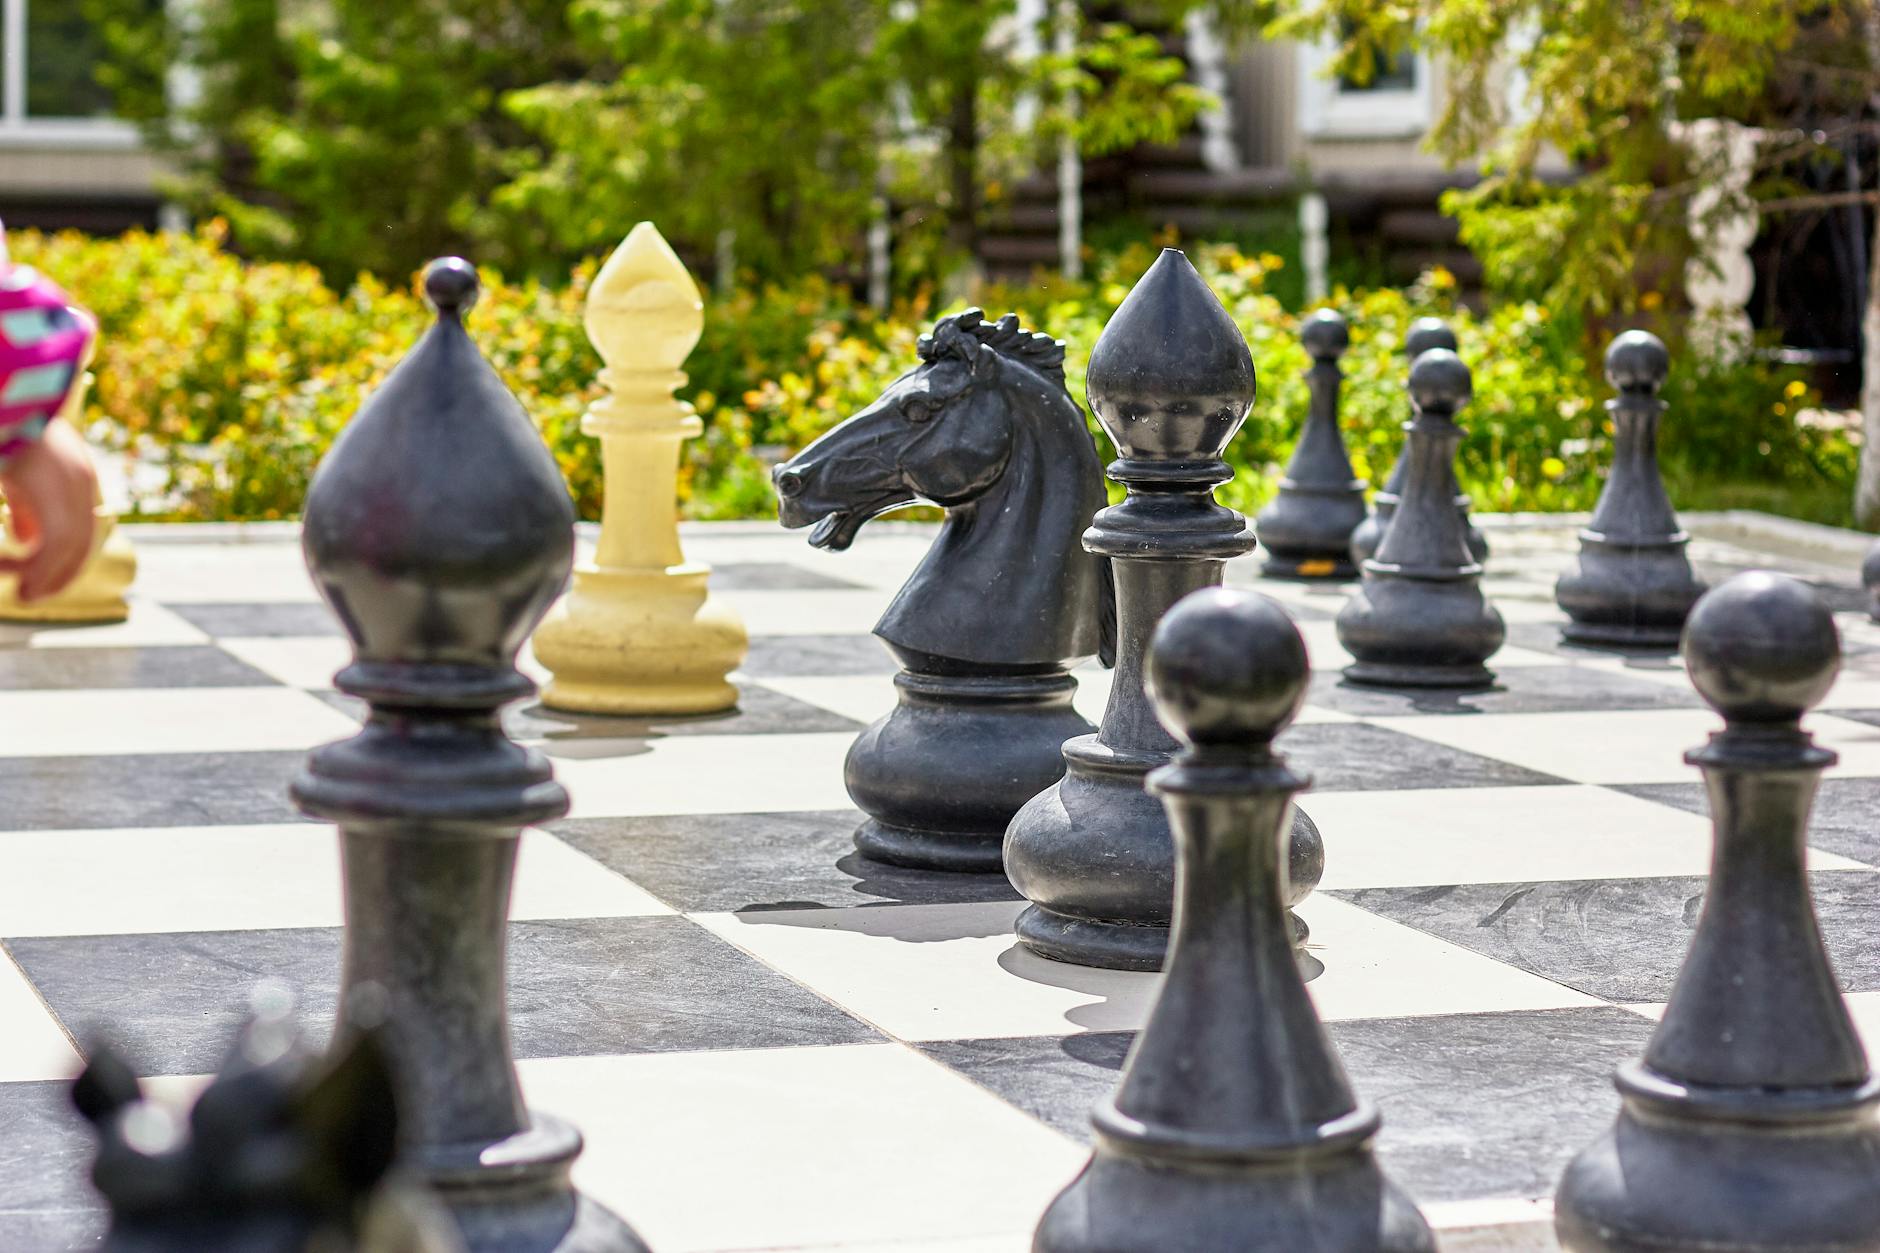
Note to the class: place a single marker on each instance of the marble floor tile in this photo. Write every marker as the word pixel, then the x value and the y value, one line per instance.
pixel 182 666
pixel 809 613
pixel 147 790
pixel 577 987
pixel 761 710
pixel 731 862
pixel 817 1148
pixel 790 656
pixel 150 625
pixel 165 720
pixel 47 1204
pixel 1622 940
pixel 1842 821
pixel 33 1046
pixel 292 619
pixel 697 774
pixel 1518 689
pixel 102 882
pixel 1360 756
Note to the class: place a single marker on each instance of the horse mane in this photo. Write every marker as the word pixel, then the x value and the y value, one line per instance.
pixel 958 334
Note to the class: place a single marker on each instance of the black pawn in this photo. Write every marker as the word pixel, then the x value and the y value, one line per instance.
pixel 1307 528
pixel 1750 1122
pixel 1171 380
pixel 1633 585
pixel 1419 618
pixel 1233 1127
pixel 439 530
pixel 1424 334
pixel 1870 579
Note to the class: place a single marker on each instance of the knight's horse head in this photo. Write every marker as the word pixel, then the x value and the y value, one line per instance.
pixel 941 432
pixel 985 427
pixel 282 1153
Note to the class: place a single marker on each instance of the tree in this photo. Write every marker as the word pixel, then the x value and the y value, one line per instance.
pixel 1605 85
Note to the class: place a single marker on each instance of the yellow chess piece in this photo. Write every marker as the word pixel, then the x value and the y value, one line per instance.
pixel 97 594
pixel 639 632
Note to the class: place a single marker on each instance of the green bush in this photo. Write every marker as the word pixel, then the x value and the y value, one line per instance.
pixel 234 377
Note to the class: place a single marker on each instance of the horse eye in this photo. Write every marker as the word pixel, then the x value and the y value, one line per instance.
pixel 916 410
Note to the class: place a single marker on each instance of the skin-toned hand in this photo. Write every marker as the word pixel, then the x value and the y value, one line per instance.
pixel 51 490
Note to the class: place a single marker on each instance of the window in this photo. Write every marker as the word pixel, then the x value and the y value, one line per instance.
pixel 49 53
pixel 1394 103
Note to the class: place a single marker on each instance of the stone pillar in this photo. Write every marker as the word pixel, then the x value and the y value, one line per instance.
pixel 639 633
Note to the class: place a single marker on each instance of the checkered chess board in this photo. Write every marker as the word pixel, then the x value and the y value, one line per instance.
pixel 774 1044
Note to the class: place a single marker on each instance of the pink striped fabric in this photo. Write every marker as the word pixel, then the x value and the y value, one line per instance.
pixel 44 340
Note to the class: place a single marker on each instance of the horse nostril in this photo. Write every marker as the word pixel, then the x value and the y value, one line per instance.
pixel 789 482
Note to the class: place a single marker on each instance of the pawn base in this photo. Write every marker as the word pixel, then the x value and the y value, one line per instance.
pixel 515 1197
pixel 1329 1203
pixel 1640 637
pixel 1669 1183
pixel 1387 674
pixel 1106 945
pixel 959 852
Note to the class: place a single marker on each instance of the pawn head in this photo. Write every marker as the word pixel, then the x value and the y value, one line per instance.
pixel 1761 648
pixel 1325 335
pixel 1227 667
pixel 450 284
pixel 1425 334
pixel 1637 362
pixel 1439 382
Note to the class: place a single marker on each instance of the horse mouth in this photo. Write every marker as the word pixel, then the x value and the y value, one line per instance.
pixel 836 531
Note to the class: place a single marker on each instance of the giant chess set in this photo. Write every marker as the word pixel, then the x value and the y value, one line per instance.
pixel 1071 876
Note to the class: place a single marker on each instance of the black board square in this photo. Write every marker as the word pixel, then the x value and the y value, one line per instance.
pixel 804 656
pixel 285 619
pixel 577 987
pixel 1358 757
pixel 190 665
pixel 1517 690
pixel 146 790
pixel 1621 940
pixel 716 863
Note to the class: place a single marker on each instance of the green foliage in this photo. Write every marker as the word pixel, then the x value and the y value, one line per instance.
pixel 235 376
pixel 1602 84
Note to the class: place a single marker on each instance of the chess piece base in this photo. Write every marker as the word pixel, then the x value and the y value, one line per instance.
pixel 514 1196
pixel 1306 531
pixel 95 596
pixel 961 852
pixel 1406 628
pixel 1385 674
pixel 1628 595
pixel 1129 1203
pixel 1642 638
pixel 1702 1171
pixel 942 774
pixel 1095 856
pixel 641 642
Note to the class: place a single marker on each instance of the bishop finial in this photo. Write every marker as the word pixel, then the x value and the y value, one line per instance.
pixel 1761 648
pixel 1171 377
pixel 1325 335
pixel 1428 333
pixel 1227 667
pixel 644 311
pixel 450 284
pixel 1637 362
pixel 1440 383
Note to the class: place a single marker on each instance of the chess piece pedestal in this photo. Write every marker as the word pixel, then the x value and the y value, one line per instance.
pixel 1753 1120
pixel 639 632
pixel 1424 334
pixel 1632 586
pixel 1419 618
pixel 1171 380
pixel 431 795
pixel 97 594
pixel 1003 605
pixel 1307 528
pixel 1233 1126
pixel 919 773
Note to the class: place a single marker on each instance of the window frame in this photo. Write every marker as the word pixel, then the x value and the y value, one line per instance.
pixel 20 129
pixel 1327 110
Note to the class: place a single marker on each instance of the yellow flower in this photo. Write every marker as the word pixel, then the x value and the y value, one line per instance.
pixel 1795 390
pixel 1553 467
pixel 1651 300
pixel 1780 408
